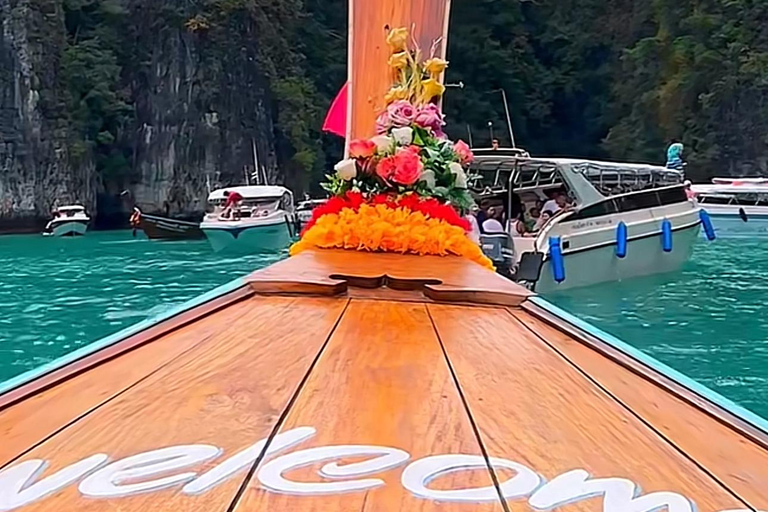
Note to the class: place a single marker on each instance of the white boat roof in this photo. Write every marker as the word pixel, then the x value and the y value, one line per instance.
pixel 731 188
pixel 71 208
pixel 734 181
pixel 250 192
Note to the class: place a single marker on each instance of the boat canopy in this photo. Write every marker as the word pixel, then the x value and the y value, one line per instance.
pixel 72 208
pixel 251 192
pixel 731 189
pixel 589 181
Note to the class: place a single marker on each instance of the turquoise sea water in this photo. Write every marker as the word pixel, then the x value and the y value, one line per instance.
pixel 707 321
pixel 59 294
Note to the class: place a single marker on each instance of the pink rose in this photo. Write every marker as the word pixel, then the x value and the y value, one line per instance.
pixel 463 152
pixel 361 148
pixel 430 117
pixel 401 113
pixel 383 123
pixel 385 169
pixel 408 167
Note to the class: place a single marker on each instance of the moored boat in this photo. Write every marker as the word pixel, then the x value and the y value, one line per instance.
pixel 157 227
pixel 659 225
pixel 68 221
pixel 264 222
pixel 738 207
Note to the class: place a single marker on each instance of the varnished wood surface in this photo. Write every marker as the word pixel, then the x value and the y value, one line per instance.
pixel 123 347
pixel 25 425
pixel 369 74
pixel 229 392
pixel 383 381
pixel 442 279
pixel 741 464
pixel 532 407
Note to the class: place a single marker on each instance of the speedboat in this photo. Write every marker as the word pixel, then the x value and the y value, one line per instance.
pixel 68 221
pixel 622 221
pixel 264 222
pixel 738 207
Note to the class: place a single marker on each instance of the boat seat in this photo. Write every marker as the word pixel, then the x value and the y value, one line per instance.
pixel 529 268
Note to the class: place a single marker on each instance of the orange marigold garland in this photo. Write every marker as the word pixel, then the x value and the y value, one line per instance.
pixel 400 190
pixel 379 227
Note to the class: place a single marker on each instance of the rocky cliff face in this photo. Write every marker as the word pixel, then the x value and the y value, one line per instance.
pixel 199 113
pixel 34 168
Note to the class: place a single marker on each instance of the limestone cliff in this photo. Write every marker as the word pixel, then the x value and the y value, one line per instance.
pixel 34 167
pixel 195 111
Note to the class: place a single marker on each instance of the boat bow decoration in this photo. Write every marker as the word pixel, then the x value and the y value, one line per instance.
pixel 403 190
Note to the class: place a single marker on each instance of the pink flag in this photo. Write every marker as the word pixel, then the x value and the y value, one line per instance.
pixel 336 119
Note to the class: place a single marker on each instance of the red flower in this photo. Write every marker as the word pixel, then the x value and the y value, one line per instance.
pixel 463 152
pixel 361 148
pixel 386 168
pixel 408 167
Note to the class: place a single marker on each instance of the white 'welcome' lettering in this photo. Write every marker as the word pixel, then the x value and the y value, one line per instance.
pixel 132 475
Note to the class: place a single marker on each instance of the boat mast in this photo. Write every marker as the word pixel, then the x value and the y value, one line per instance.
pixel 369 76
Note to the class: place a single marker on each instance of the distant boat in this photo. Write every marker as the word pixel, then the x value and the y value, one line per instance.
pixel 264 222
pixel 165 228
pixel 738 207
pixel 68 221
pixel 304 210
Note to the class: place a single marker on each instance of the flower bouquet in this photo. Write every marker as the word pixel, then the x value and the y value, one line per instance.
pixel 402 190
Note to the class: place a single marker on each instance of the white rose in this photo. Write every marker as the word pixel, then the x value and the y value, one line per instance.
pixel 403 136
pixel 461 176
pixel 346 169
pixel 428 177
pixel 383 143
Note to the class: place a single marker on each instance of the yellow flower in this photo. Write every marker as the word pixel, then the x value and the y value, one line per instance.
pixel 396 93
pixel 398 60
pixel 397 38
pixel 385 229
pixel 432 88
pixel 435 66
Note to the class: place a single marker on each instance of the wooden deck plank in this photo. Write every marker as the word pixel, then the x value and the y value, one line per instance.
pixel 733 459
pixel 382 380
pixel 27 423
pixel 534 408
pixel 228 392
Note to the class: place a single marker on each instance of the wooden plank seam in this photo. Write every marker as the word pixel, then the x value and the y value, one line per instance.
pixel 641 419
pixel 475 429
pixel 284 414
pixel 114 396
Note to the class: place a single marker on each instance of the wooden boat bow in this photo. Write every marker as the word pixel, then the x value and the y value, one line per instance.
pixel 474 400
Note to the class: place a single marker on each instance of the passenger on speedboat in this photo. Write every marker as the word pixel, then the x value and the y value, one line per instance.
pixel 493 224
pixel 675 156
pixel 231 205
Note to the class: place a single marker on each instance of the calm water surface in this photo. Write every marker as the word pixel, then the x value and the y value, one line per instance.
pixel 58 294
pixel 708 321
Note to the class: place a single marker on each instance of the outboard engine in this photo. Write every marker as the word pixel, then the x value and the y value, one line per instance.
pixel 500 249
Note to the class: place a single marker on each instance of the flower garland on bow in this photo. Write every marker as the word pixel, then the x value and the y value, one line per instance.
pixel 400 190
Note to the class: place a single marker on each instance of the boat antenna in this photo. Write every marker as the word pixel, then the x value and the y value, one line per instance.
pixel 509 119
pixel 256 173
pixel 469 134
